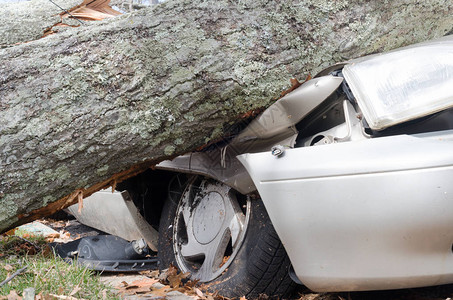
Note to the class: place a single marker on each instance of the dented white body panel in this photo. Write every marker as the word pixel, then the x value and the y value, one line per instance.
pixel 365 215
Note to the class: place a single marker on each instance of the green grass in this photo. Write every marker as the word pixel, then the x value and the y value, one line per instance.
pixel 46 273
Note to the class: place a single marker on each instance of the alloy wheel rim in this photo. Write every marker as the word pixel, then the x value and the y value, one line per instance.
pixel 209 228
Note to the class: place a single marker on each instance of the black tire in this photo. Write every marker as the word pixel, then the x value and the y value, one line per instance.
pixel 260 265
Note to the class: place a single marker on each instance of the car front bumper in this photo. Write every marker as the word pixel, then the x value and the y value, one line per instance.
pixel 365 215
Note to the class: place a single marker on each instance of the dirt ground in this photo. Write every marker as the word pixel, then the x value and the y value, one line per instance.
pixel 131 283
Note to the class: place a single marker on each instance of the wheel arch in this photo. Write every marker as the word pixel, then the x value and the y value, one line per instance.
pixel 148 191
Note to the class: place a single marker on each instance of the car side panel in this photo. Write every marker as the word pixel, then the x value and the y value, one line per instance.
pixel 365 215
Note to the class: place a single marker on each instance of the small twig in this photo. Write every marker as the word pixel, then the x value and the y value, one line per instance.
pixel 66 12
pixel 80 201
pixel 81 278
pixel 37 248
pixel 12 276
pixel 113 185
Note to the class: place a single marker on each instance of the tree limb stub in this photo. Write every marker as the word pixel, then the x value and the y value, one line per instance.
pixel 89 102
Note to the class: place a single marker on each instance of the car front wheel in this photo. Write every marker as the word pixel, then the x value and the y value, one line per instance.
pixel 222 238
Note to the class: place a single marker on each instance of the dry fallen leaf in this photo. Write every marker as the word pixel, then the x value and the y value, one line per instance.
pixel 161 292
pixel 124 283
pixel 53 235
pixel 91 10
pixel 47 251
pixel 224 260
pixel 172 270
pixel 28 235
pixel 149 273
pixel 13 296
pixel 191 283
pixel 199 293
pixel 8 268
pixel 175 279
pixel 141 286
pixel 11 232
pixel 145 282
pixel 294 85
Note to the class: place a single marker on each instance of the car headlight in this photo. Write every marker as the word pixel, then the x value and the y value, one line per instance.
pixel 406 84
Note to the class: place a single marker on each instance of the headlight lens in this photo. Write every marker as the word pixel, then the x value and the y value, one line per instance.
pixel 403 85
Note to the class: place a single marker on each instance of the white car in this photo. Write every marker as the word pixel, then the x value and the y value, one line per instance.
pixel 344 184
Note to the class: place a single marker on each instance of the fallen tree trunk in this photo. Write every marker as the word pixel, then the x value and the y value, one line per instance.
pixel 90 106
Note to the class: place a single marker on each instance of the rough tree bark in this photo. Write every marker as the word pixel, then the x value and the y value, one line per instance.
pixel 89 106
